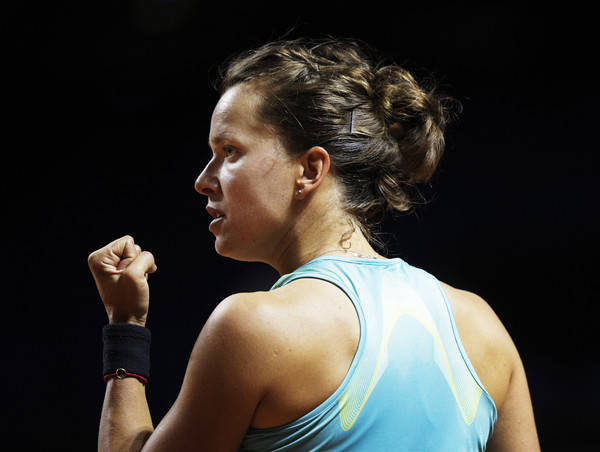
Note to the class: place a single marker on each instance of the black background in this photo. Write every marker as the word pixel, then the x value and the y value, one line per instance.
pixel 106 110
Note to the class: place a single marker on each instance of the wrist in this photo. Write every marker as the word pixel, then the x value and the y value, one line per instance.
pixel 116 317
pixel 121 374
pixel 126 351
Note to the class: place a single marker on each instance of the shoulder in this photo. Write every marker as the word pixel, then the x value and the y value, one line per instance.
pixel 257 323
pixel 307 323
pixel 292 345
pixel 236 341
pixel 227 377
pixel 486 341
pixel 242 324
pixel 499 366
pixel 265 318
pixel 482 318
pixel 256 315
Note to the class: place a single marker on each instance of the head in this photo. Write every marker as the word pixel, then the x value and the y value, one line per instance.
pixel 384 132
pixel 249 181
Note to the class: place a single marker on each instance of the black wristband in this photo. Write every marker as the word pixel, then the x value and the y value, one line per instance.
pixel 126 346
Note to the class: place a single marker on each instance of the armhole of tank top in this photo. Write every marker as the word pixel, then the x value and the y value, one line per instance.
pixel 459 343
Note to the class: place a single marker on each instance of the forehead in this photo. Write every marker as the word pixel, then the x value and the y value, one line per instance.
pixel 236 114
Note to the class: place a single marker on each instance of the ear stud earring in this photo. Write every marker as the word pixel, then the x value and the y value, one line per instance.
pixel 299 192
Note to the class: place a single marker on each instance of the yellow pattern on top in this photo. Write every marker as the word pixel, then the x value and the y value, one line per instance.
pixel 400 299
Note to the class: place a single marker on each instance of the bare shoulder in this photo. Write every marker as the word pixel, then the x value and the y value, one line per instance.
pixel 280 332
pixel 499 367
pixel 466 304
pixel 226 379
pixel 299 340
pixel 236 314
pixel 279 313
pixel 486 341
pixel 249 328
pixel 291 309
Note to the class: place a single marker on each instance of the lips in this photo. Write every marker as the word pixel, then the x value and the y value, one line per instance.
pixel 217 215
pixel 214 212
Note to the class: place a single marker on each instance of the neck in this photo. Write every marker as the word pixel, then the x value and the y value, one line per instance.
pixel 348 252
pixel 325 236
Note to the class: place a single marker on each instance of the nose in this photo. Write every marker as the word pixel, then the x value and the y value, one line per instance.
pixel 207 183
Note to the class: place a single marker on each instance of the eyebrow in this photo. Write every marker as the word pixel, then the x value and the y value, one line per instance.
pixel 219 138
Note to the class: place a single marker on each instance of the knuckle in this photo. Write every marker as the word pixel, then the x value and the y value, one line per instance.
pixel 92 259
pixel 148 254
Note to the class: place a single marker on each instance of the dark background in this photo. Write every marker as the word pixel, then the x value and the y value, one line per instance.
pixel 106 110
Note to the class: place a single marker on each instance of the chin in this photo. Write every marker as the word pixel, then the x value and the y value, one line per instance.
pixel 236 253
pixel 226 250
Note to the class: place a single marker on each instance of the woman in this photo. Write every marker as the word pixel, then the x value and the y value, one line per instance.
pixel 311 142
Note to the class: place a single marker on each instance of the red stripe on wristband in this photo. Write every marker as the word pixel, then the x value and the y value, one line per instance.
pixel 122 373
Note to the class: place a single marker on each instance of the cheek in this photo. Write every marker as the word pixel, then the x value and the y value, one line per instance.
pixel 262 189
pixel 263 185
pixel 261 206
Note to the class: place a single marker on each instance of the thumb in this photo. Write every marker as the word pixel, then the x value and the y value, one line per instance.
pixel 129 252
pixel 140 265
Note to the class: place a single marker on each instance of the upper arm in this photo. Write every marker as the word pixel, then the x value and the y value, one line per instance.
pixel 221 388
pixel 515 428
pixel 498 365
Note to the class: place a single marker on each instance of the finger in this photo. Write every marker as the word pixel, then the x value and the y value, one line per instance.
pixel 129 252
pixel 108 257
pixel 141 265
pixel 130 249
pixel 119 249
pixel 119 245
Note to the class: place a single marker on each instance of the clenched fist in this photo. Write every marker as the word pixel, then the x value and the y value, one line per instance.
pixel 121 270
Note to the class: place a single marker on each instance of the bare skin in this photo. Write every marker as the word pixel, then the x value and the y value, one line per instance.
pixel 264 359
pixel 499 367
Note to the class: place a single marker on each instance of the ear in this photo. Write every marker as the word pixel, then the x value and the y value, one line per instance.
pixel 315 165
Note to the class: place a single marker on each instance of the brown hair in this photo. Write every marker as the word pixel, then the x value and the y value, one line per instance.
pixel 382 129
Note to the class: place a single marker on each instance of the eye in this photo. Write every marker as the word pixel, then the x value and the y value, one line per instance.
pixel 229 151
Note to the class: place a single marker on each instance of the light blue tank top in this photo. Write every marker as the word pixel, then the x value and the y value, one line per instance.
pixel 410 387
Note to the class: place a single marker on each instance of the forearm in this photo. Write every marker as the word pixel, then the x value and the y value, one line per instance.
pixel 121 271
pixel 125 424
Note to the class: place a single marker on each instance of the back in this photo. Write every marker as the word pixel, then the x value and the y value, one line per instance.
pixel 410 385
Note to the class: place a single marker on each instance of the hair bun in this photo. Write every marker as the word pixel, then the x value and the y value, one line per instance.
pixel 416 119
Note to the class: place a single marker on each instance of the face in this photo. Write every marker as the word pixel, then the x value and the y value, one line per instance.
pixel 249 181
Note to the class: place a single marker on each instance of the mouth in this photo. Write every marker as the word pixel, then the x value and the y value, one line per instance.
pixel 218 217
pixel 214 213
